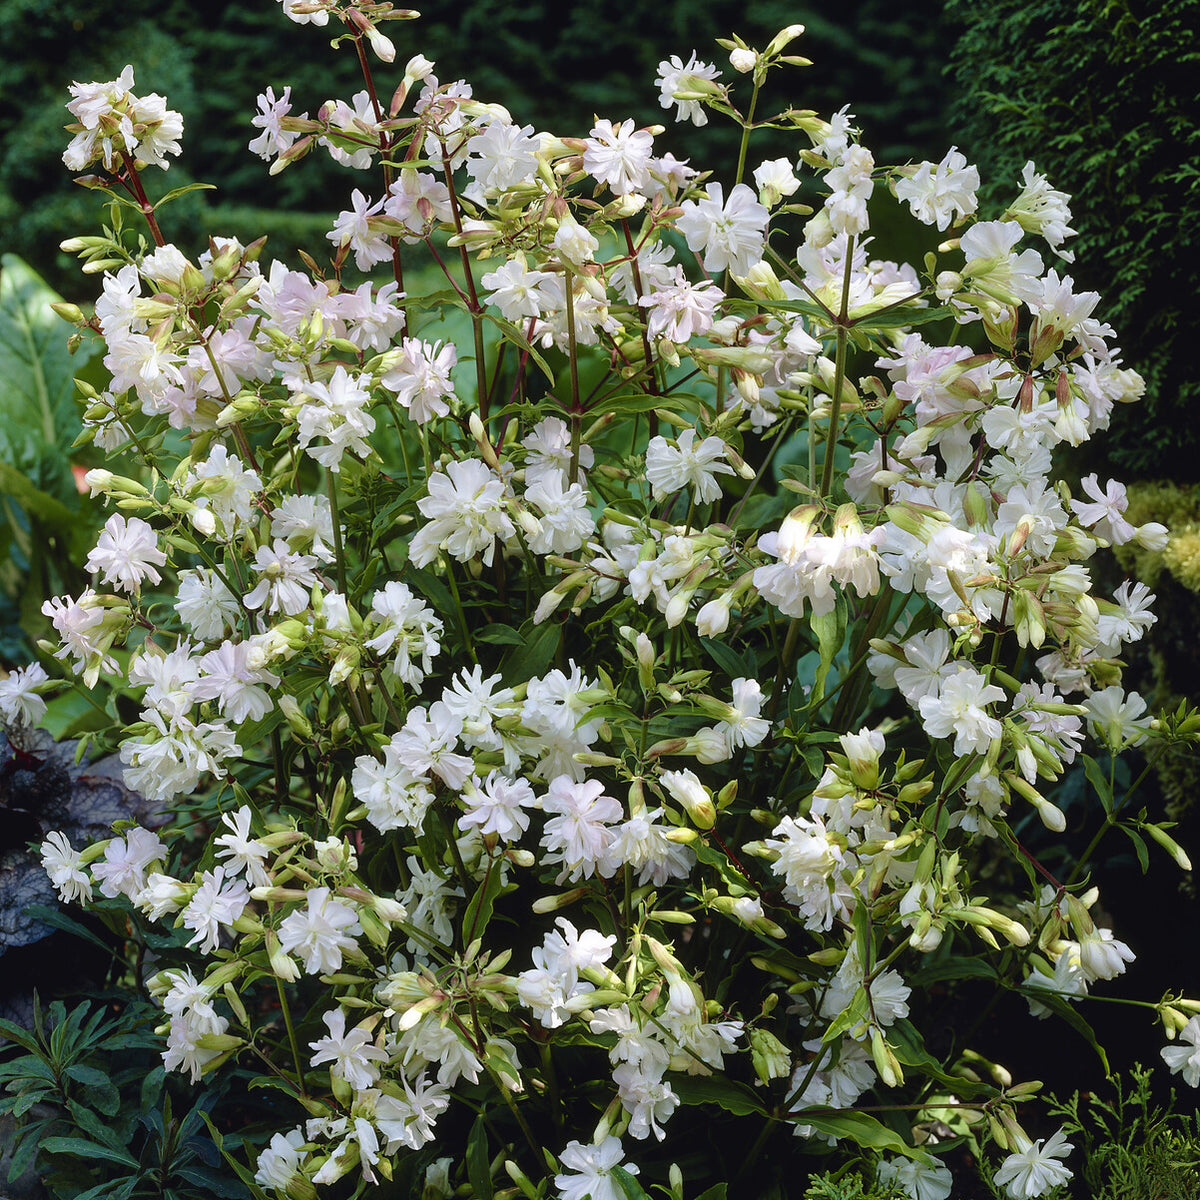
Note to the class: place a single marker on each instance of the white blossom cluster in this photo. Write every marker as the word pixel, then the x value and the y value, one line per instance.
pixel 383 558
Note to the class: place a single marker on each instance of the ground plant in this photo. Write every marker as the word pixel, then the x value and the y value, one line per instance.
pixel 604 640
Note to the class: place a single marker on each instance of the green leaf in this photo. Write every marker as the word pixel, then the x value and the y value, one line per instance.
pixel 479 1170
pixel 174 193
pixel 1064 1009
pixel 728 660
pixel 857 1127
pixel 101 1094
pixel 1139 845
pixel 85 1149
pixel 830 629
pixel 49 511
pixel 635 402
pixel 479 910
pixel 60 920
pixel 718 1191
pixel 710 1089
pixel 1098 780
pixel 500 635
pixel 533 656
pixel 629 1185
pixel 38 415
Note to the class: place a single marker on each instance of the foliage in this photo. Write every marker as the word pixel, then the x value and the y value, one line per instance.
pixel 1101 95
pixel 41 531
pixel 1132 1147
pixel 94 1113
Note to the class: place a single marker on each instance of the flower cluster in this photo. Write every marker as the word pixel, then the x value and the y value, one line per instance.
pixel 584 758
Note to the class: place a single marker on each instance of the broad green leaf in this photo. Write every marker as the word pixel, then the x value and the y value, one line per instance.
pixel 81 1148
pixel 500 635
pixel 731 1096
pixel 49 511
pixel 533 656
pixel 629 1185
pixel 38 414
pixel 857 1127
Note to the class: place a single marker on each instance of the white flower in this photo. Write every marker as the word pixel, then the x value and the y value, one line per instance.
pixel 502 156
pixel 204 604
pixel 1183 1058
pixel 564 519
pixel 351 1055
pixel 1106 515
pixel 467 514
pixel 285 579
pixel 672 468
pixel 579 832
pixel 1040 209
pixel 420 377
pixel 215 905
pixel 775 179
pixel 320 932
pixel 959 709
pixel 408 1120
pixel 1101 956
pixel 246 854
pixel 126 553
pixel 500 806
pixel 590 1170
pixel 337 412
pixel 743 726
pixel 404 625
pixel 126 862
pixel 731 234
pixel 279 1162
pixel 65 868
pixel 274 139
pixel 939 194
pixel 515 289
pixel 19 702
pixel 619 156
pixel 352 229
pixel 676 79
pixel 1033 1169
pixel 682 310
pixel 921 1180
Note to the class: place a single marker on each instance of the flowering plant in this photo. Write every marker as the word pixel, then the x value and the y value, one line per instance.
pixel 610 647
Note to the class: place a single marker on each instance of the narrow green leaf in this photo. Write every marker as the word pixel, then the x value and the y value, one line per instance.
pixel 479 1170
pixel 479 910
pixel 534 655
pixel 1098 780
pixel 727 659
pixel 830 629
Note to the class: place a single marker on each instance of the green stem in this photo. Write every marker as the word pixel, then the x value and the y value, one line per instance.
pixel 839 372
pixel 331 488
pixel 291 1032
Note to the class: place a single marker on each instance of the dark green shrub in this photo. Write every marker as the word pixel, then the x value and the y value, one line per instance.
pixel 1102 95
